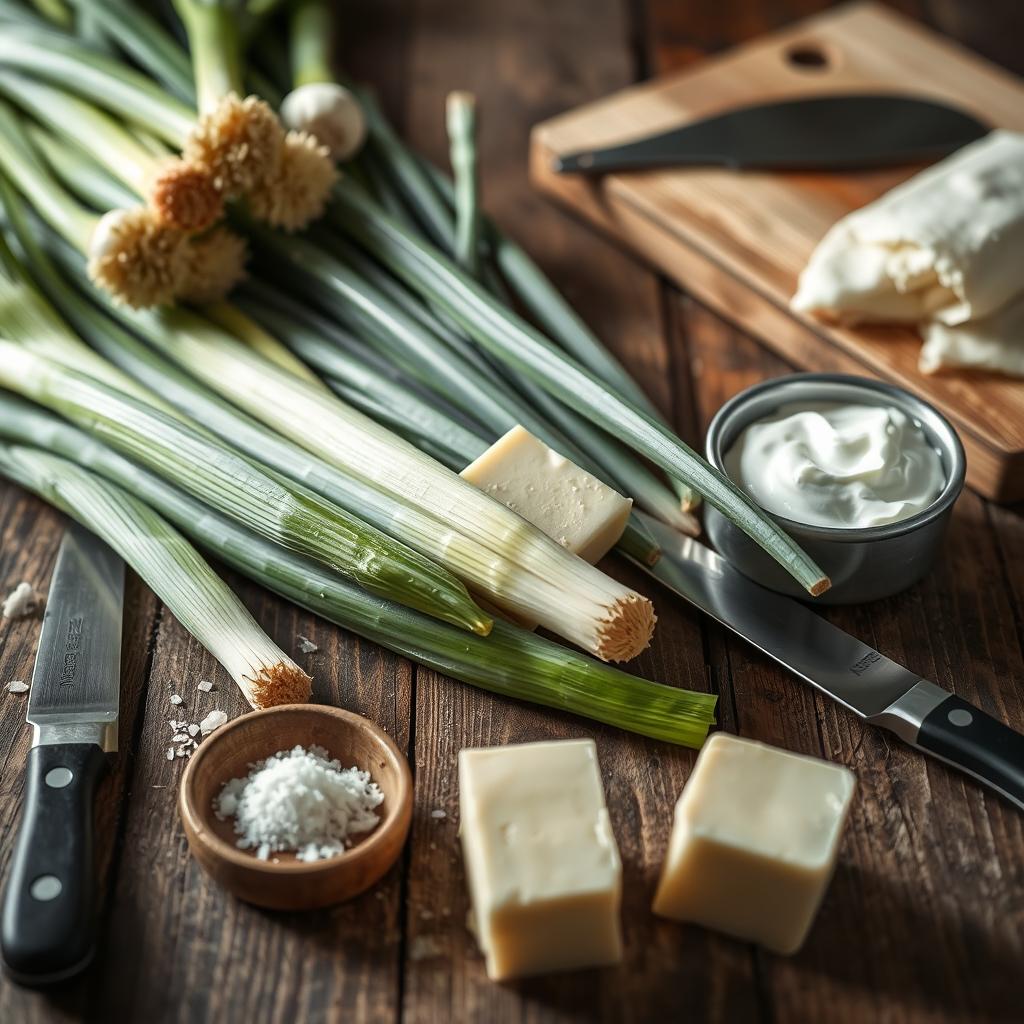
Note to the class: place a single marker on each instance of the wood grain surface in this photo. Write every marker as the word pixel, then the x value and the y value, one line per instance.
pixel 739 241
pixel 925 919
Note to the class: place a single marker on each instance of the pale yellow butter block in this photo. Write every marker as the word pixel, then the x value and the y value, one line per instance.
pixel 754 842
pixel 576 509
pixel 545 879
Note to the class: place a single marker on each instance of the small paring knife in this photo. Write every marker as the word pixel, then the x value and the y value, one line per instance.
pixel 48 928
pixel 865 682
pixel 829 133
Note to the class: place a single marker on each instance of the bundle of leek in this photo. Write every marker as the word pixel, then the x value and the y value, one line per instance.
pixel 283 512
pixel 510 661
pixel 175 571
pixel 437 513
pixel 495 328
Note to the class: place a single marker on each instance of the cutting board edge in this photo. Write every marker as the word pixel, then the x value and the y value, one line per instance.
pixel 996 473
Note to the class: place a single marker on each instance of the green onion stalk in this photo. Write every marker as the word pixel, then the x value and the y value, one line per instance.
pixel 168 563
pixel 461 121
pixel 511 662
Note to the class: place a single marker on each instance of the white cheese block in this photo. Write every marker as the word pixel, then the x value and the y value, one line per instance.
pixel 948 244
pixel 754 842
pixel 545 879
pixel 571 506
pixel 995 343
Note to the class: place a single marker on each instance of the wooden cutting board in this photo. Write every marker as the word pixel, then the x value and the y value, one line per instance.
pixel 737 240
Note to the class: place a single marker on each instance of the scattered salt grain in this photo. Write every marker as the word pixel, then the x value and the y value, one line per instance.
pixel 179 737
pixel 20 602
pixel 176 699
pixel 170 753
pixel 214 720
pixel 438 814
pixel 205 686
pixel 306 646
pixel 302 801
pixel 17 686
pixel 193 729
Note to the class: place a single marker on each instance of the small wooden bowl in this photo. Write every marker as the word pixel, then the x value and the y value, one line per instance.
pixel 291 884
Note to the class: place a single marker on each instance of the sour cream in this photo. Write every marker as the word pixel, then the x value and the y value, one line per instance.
pixel 837 465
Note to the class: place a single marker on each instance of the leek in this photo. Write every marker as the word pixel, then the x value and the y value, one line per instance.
pixel 282 512
pixel 196 596
pixel 510 661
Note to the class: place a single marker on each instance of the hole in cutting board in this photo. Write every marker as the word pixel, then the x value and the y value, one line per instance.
pixel 808 57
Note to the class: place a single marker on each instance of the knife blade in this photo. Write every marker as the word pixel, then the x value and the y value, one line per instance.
pixel 819 132
pixel 48 926
pixel 873 687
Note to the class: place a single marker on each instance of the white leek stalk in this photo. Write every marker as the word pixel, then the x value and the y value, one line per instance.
pixel 197 597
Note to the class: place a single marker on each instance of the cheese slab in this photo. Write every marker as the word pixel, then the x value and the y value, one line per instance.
pixel 568 504
pixel 946 245
pixel 754 842
pixel 544 874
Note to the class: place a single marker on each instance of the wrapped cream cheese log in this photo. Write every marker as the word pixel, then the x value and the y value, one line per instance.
pixel 947 245
pixel 994 343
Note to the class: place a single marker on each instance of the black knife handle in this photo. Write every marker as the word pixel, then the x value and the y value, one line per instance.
pixel 48 931
pixel 976 743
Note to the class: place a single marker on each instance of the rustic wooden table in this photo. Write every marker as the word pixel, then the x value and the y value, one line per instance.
pixel 925 918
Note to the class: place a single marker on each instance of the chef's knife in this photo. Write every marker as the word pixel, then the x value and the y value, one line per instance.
pixel 874 688
pixel 49 911
pixel 814 133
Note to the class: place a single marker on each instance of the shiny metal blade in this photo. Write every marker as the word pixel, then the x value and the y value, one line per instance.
pixel 77 677
pixel 839 665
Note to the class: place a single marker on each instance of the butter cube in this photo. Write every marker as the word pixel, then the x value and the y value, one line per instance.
pixel 545 879
pixel 754 842
pixel 568 504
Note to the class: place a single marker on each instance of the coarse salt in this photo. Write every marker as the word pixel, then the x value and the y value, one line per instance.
pixel 301 801
pixel 306 646
pixel 205 686
pixel 214 720
pixel 17 686
pixel 176 698
pixel 20 602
